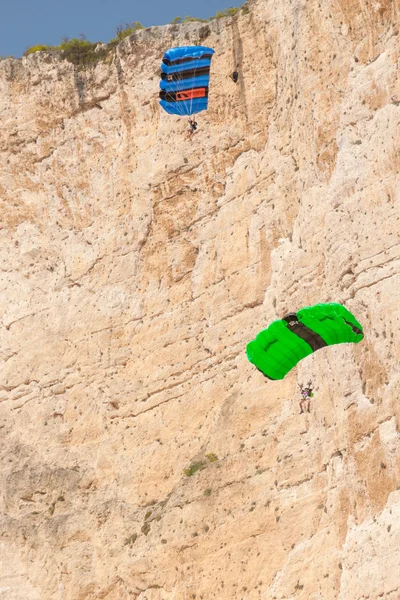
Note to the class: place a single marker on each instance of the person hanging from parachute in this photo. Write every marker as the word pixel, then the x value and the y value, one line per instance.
pixel 185 78
pixel 306 395
pixel 192 126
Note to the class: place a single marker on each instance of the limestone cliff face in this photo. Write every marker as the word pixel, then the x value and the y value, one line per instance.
pixel 135 266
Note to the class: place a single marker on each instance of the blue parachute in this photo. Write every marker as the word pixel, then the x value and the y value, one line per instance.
pixel 185 77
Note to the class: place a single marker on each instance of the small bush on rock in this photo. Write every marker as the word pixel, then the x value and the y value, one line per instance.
pixel 194 467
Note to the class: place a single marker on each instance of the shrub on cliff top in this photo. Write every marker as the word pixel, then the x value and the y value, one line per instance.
pixel 37 48
pixel 79 51
pixel 124 31
pixel 227 12
pixel 82 52
pixel 192 19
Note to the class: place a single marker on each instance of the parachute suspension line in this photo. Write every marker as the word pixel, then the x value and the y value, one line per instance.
pixel 177 78
pixel 181 88
pixel 191 99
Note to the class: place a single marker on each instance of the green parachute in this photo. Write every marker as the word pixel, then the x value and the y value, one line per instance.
pixel 277 349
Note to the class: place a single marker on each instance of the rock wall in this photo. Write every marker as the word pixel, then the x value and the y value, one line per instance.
pixel 135 266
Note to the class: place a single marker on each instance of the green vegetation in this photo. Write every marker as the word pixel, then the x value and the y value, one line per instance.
pixel 194 467
pixel 123 32
pixel 79 51
pixel 37 48
pixel 227 12
pixel 211 457
pixel 207 492
pixel 82 52
pixel 200 465
pixel 190 19
pixel 187 19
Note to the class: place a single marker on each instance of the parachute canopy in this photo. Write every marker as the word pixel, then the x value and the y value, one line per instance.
pixel 185 75
pixel 277 349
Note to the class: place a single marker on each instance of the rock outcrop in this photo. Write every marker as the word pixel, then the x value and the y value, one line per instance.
pixel 136 265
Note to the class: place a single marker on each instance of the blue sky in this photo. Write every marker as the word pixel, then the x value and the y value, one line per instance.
pixel 24 23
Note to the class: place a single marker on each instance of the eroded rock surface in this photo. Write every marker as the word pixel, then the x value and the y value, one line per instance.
pixel 136 264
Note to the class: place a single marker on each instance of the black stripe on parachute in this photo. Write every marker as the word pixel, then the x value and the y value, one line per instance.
pixel 313 339
pixel 171 96
pixel 355 329
pixel 185 74
pixel 185 59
